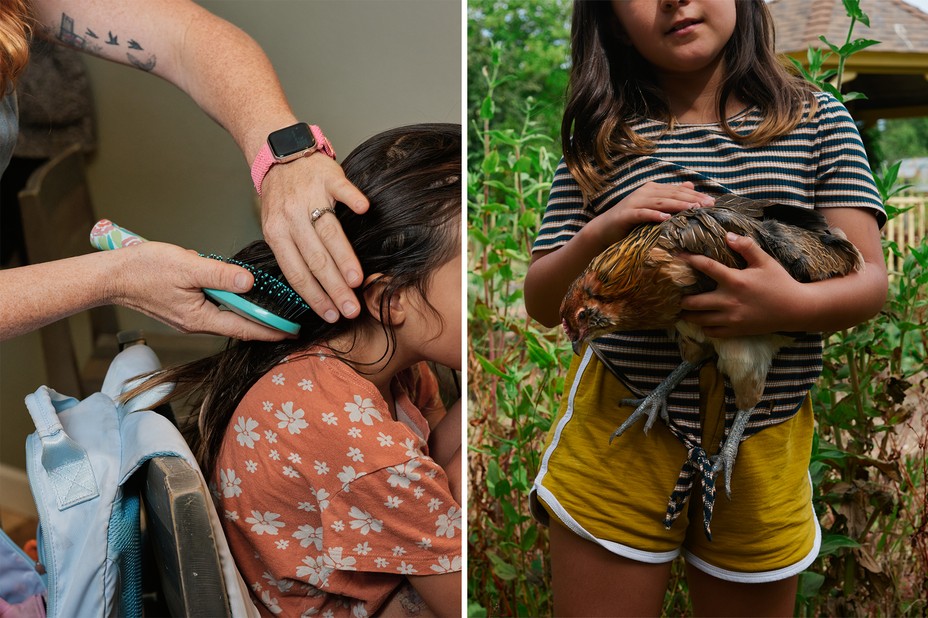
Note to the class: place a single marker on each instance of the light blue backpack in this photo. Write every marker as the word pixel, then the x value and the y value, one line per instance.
pixel 81 463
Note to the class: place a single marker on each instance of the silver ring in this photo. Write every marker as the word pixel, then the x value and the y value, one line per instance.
pixel 314 216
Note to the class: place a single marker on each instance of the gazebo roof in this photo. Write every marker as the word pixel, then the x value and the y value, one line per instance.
pixel 893 74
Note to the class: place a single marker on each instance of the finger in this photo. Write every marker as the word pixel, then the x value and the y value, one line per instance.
pixel 300 278
pixel 209 273
pixel 229 324
pixel 349 195
pixel 748 248
pixel 326 276
pixel 706 265
pixel 330 232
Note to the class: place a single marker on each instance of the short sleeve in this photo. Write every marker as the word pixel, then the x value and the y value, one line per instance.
pixel 566 213
pixel 843 176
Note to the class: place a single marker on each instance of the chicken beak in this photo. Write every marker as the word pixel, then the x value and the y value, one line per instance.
pixel 577 346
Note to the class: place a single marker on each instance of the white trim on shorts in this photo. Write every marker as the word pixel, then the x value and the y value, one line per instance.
pixel 762 576
pixel 625 551
pixel 572 524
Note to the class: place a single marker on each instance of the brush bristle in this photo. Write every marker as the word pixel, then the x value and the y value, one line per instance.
pixel 269 292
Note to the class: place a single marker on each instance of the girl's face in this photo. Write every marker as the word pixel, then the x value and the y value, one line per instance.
pixel 677 36
pixel 442 340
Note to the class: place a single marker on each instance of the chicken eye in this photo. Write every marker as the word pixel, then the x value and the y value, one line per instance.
pixel 581 315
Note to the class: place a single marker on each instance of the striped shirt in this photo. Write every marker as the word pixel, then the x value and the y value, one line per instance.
pixel 820 164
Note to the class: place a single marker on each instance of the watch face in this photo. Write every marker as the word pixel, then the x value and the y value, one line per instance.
pixel 291 140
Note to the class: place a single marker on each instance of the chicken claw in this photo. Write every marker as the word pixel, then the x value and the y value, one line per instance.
pixel 725 459
pixel 656 402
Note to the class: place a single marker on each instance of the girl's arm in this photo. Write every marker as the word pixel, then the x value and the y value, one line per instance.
pixel 763 298
pixel 228 75
pixel 160 280
pixel 552 272
pixel 442 593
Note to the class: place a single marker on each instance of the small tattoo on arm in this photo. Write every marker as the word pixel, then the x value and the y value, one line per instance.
pixel 145 65
pixel 112 40
pixel 69 37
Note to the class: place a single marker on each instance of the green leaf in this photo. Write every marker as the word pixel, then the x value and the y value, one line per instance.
pixel 487 109
pixel 488 366
pixel 810 583
pixel 856 45
pixel 831 543
pixel 501 568
pixel 476 610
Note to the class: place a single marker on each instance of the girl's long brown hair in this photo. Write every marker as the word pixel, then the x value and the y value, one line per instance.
pixel 611 86
pixel 412 178
pixel 15 31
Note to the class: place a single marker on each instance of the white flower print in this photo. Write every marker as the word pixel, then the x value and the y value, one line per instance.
pixel 264 524
pixel 347 475
pixel 381 562
pixel 398 551
pixel 282 544
pixel 446 565
pixel 336 560
pixel 406 569
pixel 402 474
pixel 355 454
pixel 354 432
pixel 231 515
pixel 229 483
pixel 270 603
pixel 364 522
pixel 362 549
pixel 295 458
pixel 256 587
pixel 338 526
pixel 278 379
pixel 432 473
pixel 283 585
pixel 321 467
pixel 359 610
pixel 268 406
pixel 310 611
pixel 411 447
pixel 306 384
pixel 309 507
pixel 362 410
pixel 393 502
pixel 434 505
pixel 308 535
pixel 273 454
pixel 290 472
pixel 246 437
pixel 329 418
pixel 315 571
pixel 322 497
pixel 418 492
pixel 291 419
pixel 425 543
pixel 251 466
pixel 447 522
pixel 271 436
pixel 384 439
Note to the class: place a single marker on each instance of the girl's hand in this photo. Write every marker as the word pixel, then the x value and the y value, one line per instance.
pixel 166 282
pixel 650 203
pixel 316 259
pixel 762 298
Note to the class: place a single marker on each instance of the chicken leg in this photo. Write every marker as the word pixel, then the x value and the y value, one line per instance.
pixel 656 402
pixel 725 459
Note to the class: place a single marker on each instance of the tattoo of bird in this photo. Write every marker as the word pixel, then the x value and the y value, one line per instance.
pixel 113 39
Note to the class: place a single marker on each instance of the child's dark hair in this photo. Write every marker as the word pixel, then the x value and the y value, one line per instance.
pixel 611 85
pixel 412 177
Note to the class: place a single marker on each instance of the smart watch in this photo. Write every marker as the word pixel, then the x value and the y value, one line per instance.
pixel 288 144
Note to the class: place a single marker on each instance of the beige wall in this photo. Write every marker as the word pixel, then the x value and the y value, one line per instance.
pixel 165 170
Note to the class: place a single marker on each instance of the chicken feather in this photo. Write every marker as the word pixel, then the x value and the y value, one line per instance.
pixel 638 283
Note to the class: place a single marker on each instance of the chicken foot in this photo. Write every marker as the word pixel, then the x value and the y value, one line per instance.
pixel 725 458
pixel 656 402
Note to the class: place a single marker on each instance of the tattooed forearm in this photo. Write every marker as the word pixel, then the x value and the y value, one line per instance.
pixel 92 43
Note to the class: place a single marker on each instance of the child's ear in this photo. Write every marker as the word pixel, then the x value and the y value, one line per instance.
pixel 374 288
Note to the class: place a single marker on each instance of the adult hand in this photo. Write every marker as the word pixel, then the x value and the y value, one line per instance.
pixel 316 259
pixel 761 298
pixel 166 282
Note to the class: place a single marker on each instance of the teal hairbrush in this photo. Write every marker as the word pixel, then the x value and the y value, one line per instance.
pixel 270 302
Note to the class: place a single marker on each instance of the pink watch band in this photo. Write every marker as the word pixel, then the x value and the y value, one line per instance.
pixel 265 158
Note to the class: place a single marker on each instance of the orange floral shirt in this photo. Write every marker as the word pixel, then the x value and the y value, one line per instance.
pixel 326 500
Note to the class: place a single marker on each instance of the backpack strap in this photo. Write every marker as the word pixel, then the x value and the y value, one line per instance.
pixel 66 462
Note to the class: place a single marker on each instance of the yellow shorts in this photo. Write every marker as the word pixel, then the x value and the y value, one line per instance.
pixel 616 495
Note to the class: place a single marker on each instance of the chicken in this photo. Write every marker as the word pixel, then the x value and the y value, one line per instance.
pixel 638 283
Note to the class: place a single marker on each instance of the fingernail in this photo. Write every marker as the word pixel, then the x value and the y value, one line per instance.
pixel 665 215
pixel 732 237
pixel 708 201
pixel 349 308
pixel 331 316
pixel 353 277
pixel 241 281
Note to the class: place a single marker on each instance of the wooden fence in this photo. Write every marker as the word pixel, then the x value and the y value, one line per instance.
pixel 907 228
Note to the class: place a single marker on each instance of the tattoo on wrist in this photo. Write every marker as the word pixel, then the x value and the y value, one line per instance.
pixel 93 43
